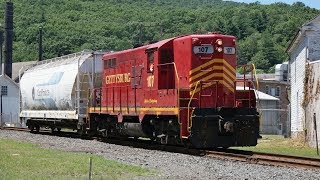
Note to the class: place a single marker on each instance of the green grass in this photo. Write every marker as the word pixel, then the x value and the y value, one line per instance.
pixel 280 145
pixel 20 160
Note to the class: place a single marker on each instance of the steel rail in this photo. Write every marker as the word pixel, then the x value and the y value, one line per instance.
pixel 267 158
pixel 15 129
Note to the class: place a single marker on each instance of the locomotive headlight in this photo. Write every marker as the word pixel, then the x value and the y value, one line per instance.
pixel 219 42
pixel 195 40
pixel 219 49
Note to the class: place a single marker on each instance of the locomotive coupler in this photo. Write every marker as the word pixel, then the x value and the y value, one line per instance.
pixel 226 126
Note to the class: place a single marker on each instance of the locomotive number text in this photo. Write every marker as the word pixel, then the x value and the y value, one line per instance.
pixel 229 50
pixel 203 49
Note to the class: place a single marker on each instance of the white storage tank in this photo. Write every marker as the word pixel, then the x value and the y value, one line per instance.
pixel 281 72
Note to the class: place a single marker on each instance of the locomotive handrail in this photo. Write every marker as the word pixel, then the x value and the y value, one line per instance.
pixel 245 88
pixel 246 82
pixel 191 98
pixel 257 94
pixel 189 120
pixel 255 75
pixel 178 82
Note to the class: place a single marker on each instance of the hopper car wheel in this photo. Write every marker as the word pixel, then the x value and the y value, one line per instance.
pixel 53 130
pixel 31 127
pixel 37 128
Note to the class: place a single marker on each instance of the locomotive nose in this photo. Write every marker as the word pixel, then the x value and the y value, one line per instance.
pixel 224 127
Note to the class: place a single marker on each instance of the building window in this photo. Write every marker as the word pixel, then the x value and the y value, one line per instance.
pixel 273 91
pixel 4 90
pixel 267 89
pixel 278 91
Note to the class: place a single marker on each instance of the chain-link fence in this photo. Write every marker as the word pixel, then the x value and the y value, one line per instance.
pixel 275 121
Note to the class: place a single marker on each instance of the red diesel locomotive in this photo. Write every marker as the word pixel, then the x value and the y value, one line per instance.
pixel 176 91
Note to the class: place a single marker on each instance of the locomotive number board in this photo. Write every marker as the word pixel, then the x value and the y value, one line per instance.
pixel 203 49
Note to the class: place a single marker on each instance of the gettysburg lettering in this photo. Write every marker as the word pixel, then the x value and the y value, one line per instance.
pixel 118 78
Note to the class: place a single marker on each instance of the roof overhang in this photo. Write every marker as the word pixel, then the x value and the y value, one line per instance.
pixel 300 33
pixel 156 46
pixel 9 80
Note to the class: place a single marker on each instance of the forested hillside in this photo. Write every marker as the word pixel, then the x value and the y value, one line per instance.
pixel 263 31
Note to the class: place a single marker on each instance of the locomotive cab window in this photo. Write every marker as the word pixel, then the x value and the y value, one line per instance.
pixel 110 63
pixel 150 61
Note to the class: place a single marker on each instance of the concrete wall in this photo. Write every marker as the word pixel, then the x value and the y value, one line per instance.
pixel 312 99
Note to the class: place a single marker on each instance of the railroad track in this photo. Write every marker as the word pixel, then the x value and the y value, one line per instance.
pixel 225 154
pixel 266 158
pixel 15 129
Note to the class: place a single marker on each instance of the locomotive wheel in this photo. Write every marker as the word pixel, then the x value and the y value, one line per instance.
pixel 81 131
pixel 152 138
pixel 186 143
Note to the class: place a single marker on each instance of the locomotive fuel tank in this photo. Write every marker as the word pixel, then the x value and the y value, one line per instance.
pixel 133 130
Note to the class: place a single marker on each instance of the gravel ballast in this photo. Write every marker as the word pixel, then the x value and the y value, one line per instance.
pixel 168 165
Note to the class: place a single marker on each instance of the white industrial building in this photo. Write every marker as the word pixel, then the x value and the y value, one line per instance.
pixel 304 70
pixel 9 102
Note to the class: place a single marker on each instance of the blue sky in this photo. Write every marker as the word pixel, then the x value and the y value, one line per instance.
pixel 310 3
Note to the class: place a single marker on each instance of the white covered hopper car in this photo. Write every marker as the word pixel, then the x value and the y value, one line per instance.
pixel 54 92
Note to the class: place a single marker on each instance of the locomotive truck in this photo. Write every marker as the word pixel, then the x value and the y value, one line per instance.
pixel 177 91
